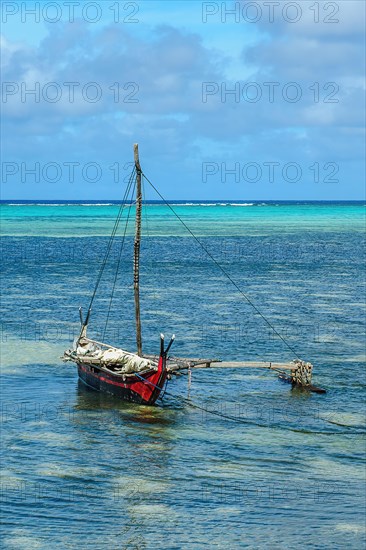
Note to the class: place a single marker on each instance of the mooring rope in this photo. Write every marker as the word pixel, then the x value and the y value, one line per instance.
pixel 224 270
pixel 190 403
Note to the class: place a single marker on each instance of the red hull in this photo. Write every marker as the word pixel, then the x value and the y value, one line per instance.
pixel 143 389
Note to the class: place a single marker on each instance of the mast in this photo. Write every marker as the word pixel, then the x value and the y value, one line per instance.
pixel 136 249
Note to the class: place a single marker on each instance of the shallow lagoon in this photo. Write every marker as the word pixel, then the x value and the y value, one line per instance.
pixel 287 471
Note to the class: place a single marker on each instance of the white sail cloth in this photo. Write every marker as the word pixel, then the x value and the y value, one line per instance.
pixel 127 362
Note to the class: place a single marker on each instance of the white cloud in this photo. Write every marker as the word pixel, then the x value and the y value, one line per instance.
pixel 168 67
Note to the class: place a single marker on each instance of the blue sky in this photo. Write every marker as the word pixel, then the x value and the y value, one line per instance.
pixel 227 100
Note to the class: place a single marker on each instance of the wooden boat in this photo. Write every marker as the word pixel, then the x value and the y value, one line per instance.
pixel 109 376
pixel 130 376
pixel 141 378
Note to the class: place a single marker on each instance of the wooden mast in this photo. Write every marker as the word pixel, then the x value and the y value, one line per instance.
pixel 136 258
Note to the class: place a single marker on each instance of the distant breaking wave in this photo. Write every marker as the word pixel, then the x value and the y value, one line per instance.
pixel 212 204
pixel 181 203
pixel 61 204
pixel 117 203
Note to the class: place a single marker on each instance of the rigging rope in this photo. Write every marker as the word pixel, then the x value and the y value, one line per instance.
pixel 119 261
pixel 224 271
pixel 110 242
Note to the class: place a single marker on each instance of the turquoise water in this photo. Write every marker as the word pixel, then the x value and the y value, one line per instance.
pixel 237 218
pixel 287 470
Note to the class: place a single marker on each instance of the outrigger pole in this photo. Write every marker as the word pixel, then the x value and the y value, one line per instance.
pixel 136 257
pixel 299 376
pixel 298 373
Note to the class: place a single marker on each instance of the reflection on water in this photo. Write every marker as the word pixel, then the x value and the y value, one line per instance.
pixel 91 400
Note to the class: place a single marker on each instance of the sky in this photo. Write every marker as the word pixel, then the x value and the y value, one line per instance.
pixel 227 100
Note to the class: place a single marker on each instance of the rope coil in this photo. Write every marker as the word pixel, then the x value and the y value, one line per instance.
pixel 302 373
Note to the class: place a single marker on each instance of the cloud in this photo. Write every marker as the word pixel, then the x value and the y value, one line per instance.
pixel 160 76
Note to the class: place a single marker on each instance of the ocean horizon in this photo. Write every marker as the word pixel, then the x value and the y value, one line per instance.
pixel 189 202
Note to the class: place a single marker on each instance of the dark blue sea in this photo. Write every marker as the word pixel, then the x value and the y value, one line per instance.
pixel 241 460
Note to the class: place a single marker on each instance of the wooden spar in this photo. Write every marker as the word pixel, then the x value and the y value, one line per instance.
pixel 250 365
pixel 229 365
pixel 183 363
pixel 136 258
